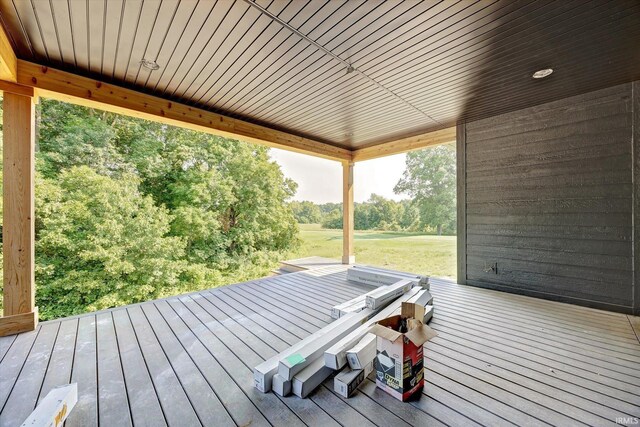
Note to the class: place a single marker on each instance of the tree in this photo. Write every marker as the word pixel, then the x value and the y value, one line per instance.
pixel 430 179
pixel 306 212
pixel 100 243
pixel 333 219
pixel 128 210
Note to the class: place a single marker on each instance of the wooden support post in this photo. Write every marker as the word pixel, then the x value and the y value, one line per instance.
pixel 461 177
pixel 18 232
pixel 348 254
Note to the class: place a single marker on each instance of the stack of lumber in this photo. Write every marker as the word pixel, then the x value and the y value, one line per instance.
pixel 304 366
pixel 374 276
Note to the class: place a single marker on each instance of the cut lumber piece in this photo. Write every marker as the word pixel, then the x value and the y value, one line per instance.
pixel 305 355
pixel 352 306
pixel 362 353
pixel 335 357
pixel 389 271
pixel 384 295
pixel 374 276
pixel 307 380
pixel 54 408
pixel 281 386
pixel 424 298
pixel 347 381
pixel 264 372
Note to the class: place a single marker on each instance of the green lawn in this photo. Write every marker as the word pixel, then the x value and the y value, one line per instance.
pixel 414 252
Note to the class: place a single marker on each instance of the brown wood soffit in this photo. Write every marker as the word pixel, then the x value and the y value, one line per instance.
pixel 64 86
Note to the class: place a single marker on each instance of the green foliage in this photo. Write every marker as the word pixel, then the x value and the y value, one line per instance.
pixel 430 179
pixel 306 212
pixel 129 210
pixel 101 243
pixel 377 213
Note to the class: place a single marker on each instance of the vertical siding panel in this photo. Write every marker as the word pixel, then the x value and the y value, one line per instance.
pixel 512 154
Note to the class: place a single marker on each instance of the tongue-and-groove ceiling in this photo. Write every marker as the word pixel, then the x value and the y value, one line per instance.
pixel 417 66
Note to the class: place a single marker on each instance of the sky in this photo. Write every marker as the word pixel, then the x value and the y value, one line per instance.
pixel 320 180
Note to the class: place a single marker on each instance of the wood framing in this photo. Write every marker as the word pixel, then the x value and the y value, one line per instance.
pixel 348 254
pixel 10 325
pixel 461 190
pixel 68 87
pixel 18 231
pixel 443 136
pixel 8 60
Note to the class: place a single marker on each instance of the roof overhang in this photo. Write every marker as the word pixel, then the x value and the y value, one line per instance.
pixel 64 86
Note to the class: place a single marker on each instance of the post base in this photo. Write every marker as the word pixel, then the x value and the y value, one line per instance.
pixel 17 323
pixel 349 259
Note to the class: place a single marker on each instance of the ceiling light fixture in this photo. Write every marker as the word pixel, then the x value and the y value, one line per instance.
pixel 350 69
pixel 541 74
pixel 149 64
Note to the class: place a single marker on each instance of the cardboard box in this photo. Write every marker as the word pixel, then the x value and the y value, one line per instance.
pixel 310 378
pixel 281 386
pixel 352 306
pixel 384 295
pixel 363 353
pixel 304 356
pixel 347 381
pixel 264 372
pixel 399 362
pixel 335 357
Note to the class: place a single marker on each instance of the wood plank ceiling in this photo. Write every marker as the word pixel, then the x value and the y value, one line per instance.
pixel 418 65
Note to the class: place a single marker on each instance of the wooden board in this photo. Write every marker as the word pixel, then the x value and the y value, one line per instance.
pixel 499 359
pixel 547 194
pixel 348 254
pixel 57 84
pixel 18 229
pixel 416 66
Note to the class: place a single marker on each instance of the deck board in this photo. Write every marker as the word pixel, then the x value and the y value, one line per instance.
pixel 84 372
pixel 144 404
pixel 499 360
pixel 112 391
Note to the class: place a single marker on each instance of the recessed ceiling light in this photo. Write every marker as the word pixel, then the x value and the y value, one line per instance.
pixel 540 74
pixel 150 65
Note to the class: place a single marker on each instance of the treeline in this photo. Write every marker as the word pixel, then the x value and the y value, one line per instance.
pixel 378 213
pixel 429 179
pixel 129 210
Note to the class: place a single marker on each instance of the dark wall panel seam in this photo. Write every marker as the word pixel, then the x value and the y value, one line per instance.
pixel 635 149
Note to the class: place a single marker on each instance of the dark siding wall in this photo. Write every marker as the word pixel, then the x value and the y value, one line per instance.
pixel 549 196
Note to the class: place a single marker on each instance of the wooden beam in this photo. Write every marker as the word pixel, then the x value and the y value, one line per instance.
pixel 348 254
pixel 461 203
pixel 8 60
pixel 18 231
pixel 442 136
pixel 68 87
pixel 16 89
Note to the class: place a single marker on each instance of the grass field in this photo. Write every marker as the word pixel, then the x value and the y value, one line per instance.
pixel 414 252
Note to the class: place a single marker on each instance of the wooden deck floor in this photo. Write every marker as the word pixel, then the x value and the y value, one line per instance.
pixel 499 359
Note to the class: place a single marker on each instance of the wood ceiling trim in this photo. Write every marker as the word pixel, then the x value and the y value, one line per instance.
pixel 8 60
pixel 417 142
pixel 64 86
